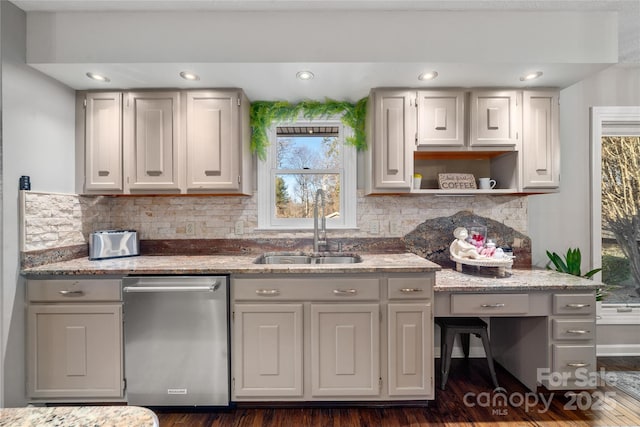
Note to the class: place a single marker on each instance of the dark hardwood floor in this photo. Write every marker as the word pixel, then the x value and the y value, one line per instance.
pixel 450 408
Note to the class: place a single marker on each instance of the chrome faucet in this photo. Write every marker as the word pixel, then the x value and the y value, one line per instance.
pixel 319 236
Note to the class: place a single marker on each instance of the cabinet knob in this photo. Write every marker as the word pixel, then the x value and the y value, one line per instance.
pixel 574 305
pixel 495 305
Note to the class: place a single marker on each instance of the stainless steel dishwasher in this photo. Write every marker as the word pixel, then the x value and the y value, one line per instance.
pixel 176 340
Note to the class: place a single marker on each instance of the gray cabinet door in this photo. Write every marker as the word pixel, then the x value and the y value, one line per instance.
pixel 152 140
pixel 345 350
pixel 103 142
pixel 74 351
pixel 267 357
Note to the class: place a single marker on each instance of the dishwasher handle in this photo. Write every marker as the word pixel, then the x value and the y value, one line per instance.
pixel 133 289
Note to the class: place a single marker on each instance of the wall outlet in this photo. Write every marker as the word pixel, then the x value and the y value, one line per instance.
pixel 374 227
pixel 190 228
pixel 239 227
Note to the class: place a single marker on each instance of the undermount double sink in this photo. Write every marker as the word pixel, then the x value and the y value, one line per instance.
pixel 300 258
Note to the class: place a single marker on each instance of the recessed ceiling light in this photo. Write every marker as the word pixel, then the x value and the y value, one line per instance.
pixel 429 75
pixel 304 75
pixel 531 76
pixel 189 76
pixel 98 77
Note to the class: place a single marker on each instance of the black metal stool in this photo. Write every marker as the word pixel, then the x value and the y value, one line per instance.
pixel 449 328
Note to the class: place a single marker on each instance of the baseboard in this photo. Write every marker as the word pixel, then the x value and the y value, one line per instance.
pixel 618 350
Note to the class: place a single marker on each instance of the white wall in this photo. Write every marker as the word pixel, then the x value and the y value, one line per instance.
pixel 562 220
pixel 37 140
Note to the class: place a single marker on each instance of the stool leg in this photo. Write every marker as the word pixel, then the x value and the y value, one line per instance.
pixel 464 340
pixel 446 363
pixel 487 350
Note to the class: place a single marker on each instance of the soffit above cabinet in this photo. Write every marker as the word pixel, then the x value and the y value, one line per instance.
pixel 386 48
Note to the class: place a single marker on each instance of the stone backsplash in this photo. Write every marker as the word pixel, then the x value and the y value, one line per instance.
pixel 59 220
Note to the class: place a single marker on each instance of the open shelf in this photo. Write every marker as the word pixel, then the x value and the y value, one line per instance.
pixel 499 165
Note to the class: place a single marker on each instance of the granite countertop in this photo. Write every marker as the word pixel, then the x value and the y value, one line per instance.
pixel 448 280
pixel 79 416
pixel 228 264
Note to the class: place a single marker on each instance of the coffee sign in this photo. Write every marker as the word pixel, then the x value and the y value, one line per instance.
pixel 457 181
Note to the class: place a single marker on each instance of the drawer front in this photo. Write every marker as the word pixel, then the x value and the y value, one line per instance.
pixel 568 358
pixel 574 329
pixel 489 304
pixel 411 287
pixel 574 304
pixel 323 289
pixel 74 290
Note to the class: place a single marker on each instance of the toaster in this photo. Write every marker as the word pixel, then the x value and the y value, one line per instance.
pixel 113 244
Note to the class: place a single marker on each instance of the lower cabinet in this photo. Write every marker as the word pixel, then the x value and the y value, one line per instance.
pixel 268 350
pixel 410 349
pixel 320 338
pixel 345 349
pixel 74 340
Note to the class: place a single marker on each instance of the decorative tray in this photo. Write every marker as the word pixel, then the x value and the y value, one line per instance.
pixel 502 264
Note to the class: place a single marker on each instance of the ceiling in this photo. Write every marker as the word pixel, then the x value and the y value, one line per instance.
pixel 336 79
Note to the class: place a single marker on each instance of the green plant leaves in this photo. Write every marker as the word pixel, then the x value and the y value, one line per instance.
pixel 571 263
pixel 265 113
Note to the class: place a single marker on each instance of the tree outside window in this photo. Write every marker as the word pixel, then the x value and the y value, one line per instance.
pixel 621 218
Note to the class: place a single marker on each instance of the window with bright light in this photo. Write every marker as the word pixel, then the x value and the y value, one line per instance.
pixel 302 158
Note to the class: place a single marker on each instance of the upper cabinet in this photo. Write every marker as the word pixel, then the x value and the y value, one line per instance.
pixel 495 118
pixel 103 132
pixel 441 118
pixel 392 130
pixel 541 142
pixel 164 142
pixel 216 142
pixel 510 136
pixel 152 141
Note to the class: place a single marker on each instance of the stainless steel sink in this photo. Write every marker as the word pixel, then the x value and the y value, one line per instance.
pixel 283 259
pixel 337 259
pixel 297 258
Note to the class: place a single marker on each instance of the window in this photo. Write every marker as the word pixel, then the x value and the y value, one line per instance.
pixel 615 214
pixel 302 158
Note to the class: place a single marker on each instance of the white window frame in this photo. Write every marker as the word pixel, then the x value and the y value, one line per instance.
pixel 602 117
pixel 267 171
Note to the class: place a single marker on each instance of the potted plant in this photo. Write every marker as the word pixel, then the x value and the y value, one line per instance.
pixel 571 264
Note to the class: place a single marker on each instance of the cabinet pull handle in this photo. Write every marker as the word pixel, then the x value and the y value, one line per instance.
pixel 71 293
pixel 345 292
pixel 578 364
pixel 495 305
pixel 268 292
pixel 578 331
pixel 410 290
pixel 574 305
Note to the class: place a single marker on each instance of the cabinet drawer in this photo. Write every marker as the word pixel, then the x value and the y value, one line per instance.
pixel 411 287
pixel 569 358
pixel 574 329
pixel 322 288
pixel 574 304
pixel 74 290
pixel 489 304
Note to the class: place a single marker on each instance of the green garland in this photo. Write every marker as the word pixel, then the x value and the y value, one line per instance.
pixel 265 113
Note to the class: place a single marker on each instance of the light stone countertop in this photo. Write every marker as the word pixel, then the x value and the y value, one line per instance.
pixel 228 264
pixel 447 280
pixel 79 416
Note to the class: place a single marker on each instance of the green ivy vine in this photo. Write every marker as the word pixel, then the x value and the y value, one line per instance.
pixel 265 113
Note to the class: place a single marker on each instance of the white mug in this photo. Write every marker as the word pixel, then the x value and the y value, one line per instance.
pixel 487 183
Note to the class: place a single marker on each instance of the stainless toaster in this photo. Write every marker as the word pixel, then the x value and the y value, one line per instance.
pixel 113 244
